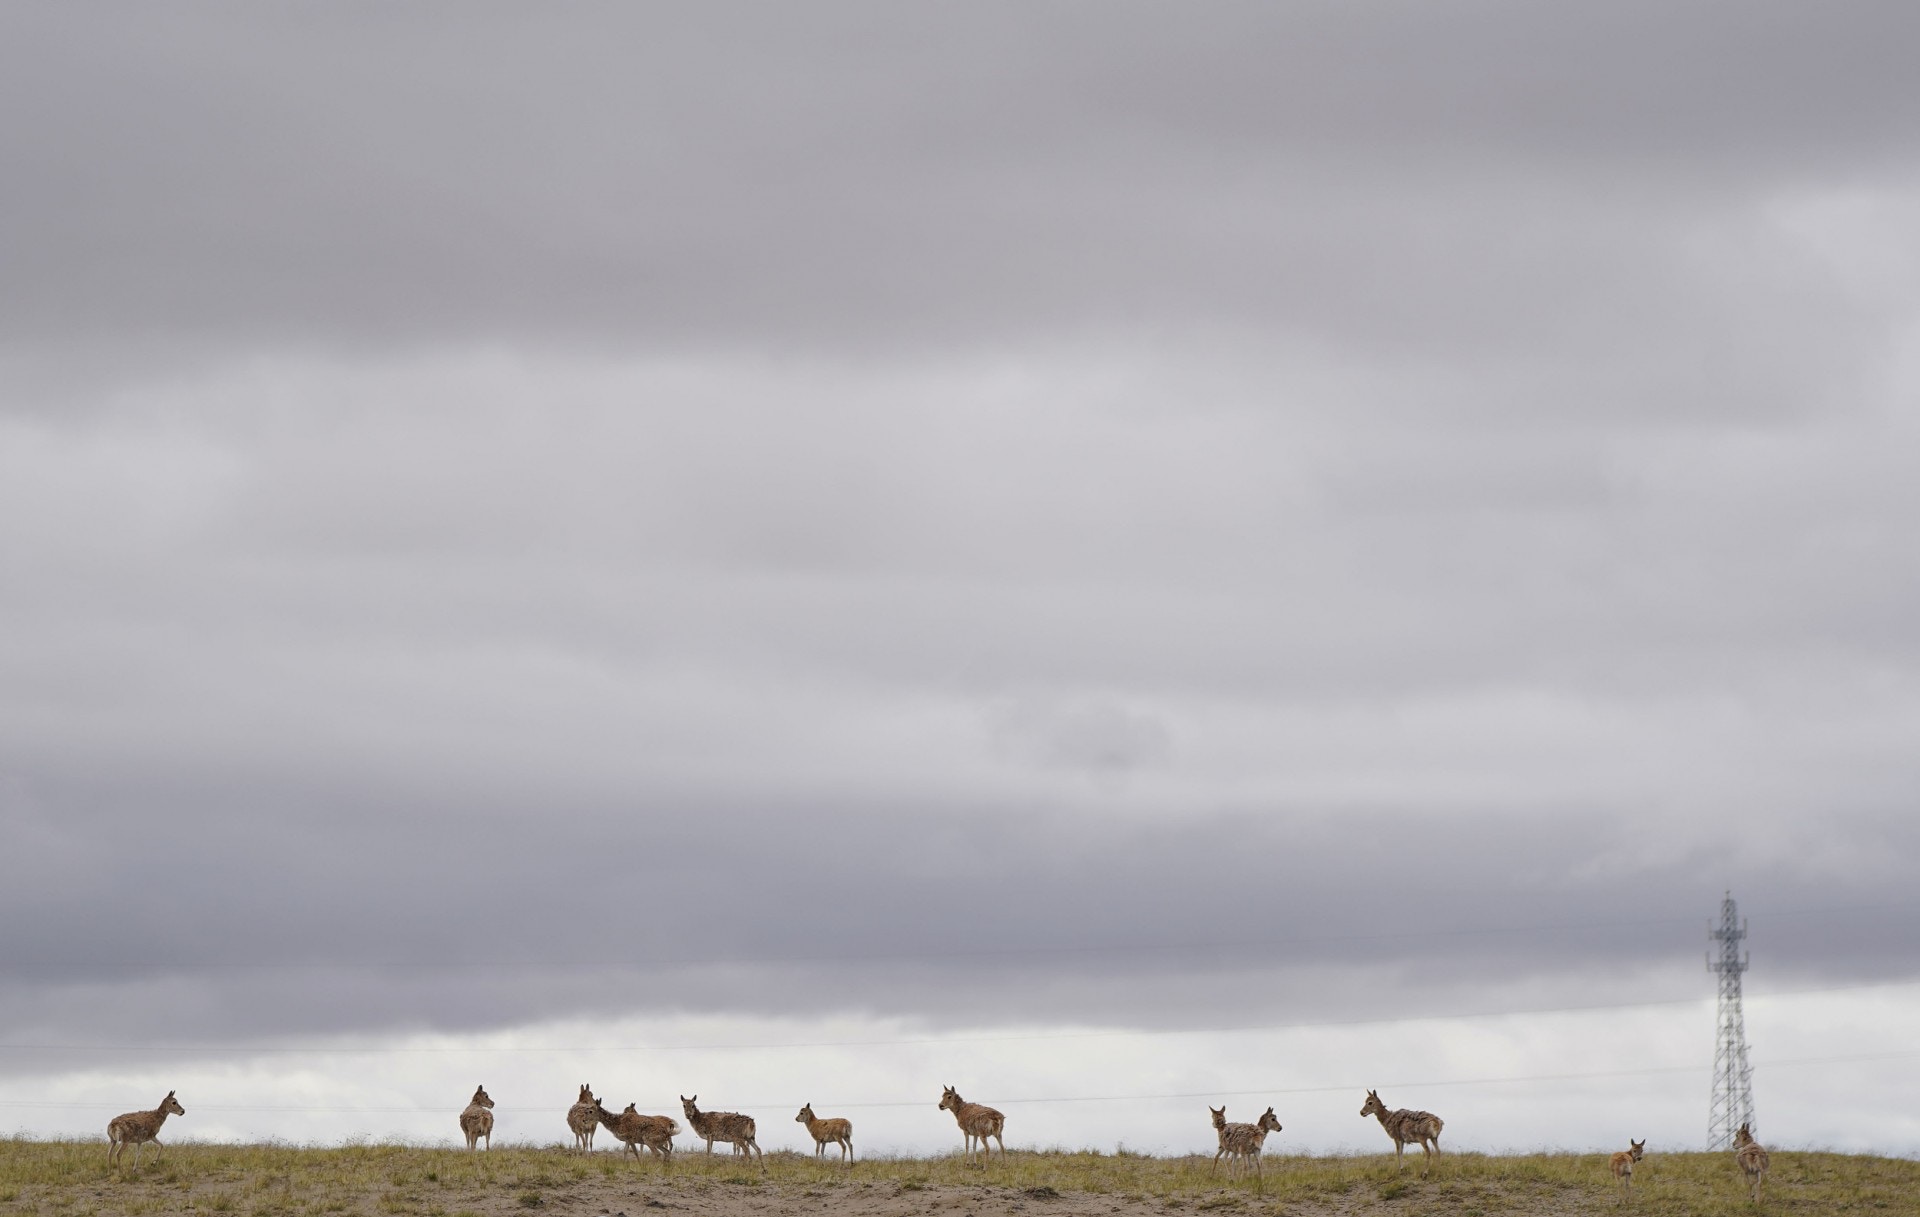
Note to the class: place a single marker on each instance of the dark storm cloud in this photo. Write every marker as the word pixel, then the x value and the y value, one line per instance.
pixel 1407 178
pixel 1133 510
pixel 303 919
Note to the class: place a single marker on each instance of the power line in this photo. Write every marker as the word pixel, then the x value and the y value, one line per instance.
pixel 1503 1080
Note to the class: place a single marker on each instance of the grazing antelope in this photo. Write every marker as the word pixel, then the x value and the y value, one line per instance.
pixel 1220 1131
pixel 1242 1142
pixel 582 1120
pixel 1621 1164
pixel 477 1120
pixel 1753 1159
pixel 136 1128
pixel 828 1132
pixel 634 1129
pixel 1404 1126
pixel 729 1126
pixel 977 1121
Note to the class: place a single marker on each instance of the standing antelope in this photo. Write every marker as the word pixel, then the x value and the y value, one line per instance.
pixel 1753 1159
pixel 1220 1131
pixel 632 1128
pixel 828 1132
pixel 136 1128
pixel 1242 1142
pixel 477 1120
pixel 729 1126
pixel 582 1119
pixel 1621 1164
pixel 1404 1126
pixel 977 1121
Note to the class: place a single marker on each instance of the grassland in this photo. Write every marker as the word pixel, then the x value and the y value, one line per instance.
pixel 72 1179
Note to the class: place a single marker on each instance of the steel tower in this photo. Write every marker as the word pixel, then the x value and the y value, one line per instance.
pixel 1732 1103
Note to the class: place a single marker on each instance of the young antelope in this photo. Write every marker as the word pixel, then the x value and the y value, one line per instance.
pixel 1405 1126
pixel 136 1128
pixel 729 1126
pixel 828 1132
pixel 582 1119
pixel 633 1129
pixel 1219 1130
pixel 477 1120
pixel 1752 1158
pixel 1621 1164
pixel 977 1121
pixel 1243 1142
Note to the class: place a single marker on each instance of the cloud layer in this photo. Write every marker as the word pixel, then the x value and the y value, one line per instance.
pixel 970 519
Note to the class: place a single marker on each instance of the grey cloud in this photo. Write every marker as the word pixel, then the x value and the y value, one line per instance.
pixel 264 913
pixel 1136 516
pixel 1098 736
pixel 741 179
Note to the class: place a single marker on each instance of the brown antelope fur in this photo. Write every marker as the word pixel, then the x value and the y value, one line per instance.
pixel 1404 1126
pixel 633 1129
pixel 1753 1159
pixel 1621 1164
pixel 729 1126
pixel 136 1128
pixel 477 1120
pixel 1242 1142
pixel 828 1132
pixel 977 1121
pixel 582 1120
pixel 1220 1130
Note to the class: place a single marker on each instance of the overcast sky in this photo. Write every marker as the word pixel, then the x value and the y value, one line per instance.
pixel 848 524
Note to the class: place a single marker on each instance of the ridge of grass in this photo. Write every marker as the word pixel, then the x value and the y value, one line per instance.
pixel 73 1179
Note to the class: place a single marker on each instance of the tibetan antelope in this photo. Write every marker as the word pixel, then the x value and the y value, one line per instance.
pixel 729 1126
pixel 828 1132
pixel 136 1128
pixel 582 1119
pixel 477 1120
pixel 1404 1126
pixel 1621 1164
pixel 977 1121
pixel 1242 1142
pixel 1753 1159
pixel 1220 1131
pixel 633 1129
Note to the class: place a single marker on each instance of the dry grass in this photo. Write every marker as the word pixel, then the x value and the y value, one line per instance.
pixel 72 1179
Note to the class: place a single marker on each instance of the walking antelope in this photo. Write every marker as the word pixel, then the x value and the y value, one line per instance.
pixel 582 1119
pixel 477 1120
pixel 1621 1164
pixel 729 1126
pixel 1753 1159
pixel 1404 1126
pixel 1220 1131
pixel 977 1121
pixel 633 1129
pixel 136 1128
pixel 1242 1142
pixel 828 1132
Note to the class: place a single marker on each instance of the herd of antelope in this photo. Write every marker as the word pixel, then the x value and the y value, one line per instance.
pixel 1240 1144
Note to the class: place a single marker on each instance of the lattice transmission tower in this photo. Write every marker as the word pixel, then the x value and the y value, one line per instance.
pixel 1732 1103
